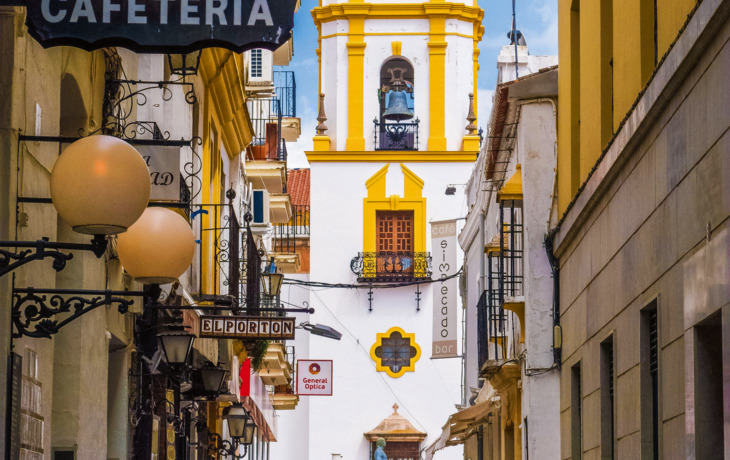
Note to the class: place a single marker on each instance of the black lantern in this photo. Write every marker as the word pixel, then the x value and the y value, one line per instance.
pixel 184 64
pixel 213 377
pixel 241 425
pixel 272 280
pixel 176 345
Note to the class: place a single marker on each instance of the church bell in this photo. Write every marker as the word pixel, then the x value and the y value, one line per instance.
pixel 397 109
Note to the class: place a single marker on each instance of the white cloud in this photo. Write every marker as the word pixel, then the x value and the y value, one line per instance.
pixel 541 30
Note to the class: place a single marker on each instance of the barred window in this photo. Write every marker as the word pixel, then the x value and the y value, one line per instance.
pixel 395 352
pixel 256 64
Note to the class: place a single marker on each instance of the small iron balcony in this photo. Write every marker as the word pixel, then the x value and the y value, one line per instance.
pixel 396 136
pixel 391 266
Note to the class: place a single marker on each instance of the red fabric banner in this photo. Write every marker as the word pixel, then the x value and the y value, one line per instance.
pixel 245 374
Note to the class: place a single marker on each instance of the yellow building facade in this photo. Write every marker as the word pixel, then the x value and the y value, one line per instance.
pixel 643 232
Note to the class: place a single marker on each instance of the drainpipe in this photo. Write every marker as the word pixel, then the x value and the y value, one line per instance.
pixel 555 269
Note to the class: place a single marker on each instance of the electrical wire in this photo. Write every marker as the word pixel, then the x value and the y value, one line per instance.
pixel 324 285
pixel 367 354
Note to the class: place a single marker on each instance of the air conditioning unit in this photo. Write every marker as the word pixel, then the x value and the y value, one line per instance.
pixel 260 206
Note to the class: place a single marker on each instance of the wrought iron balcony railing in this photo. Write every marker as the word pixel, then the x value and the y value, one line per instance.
pixel 391 266
pixel 396 136
pixel 285 235
pixel 267 142
pixel 286 92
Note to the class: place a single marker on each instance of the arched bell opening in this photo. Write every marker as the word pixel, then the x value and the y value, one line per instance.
pixel 396 127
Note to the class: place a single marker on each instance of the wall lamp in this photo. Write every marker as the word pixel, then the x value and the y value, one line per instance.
pixel 321 330
pixel 100 186
pixel 451 189
pixel 242 429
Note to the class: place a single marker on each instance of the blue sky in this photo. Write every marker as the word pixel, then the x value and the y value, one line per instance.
pixel 538 20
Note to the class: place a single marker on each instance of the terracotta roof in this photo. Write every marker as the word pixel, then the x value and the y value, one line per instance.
pixel 298 186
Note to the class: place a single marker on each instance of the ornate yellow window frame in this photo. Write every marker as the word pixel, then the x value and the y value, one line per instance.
pixel 412 200
pixel 379 342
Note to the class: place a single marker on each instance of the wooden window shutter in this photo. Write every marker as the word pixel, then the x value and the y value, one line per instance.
pixel 395 231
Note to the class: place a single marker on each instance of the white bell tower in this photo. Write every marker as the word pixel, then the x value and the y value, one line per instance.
pixel 395 144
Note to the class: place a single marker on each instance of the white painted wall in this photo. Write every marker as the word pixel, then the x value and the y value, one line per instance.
pixel 363 397
pixel 293 425
pixel 535 147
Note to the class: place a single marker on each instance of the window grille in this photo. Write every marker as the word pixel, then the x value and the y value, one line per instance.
pixel 256 64
pixel 654 373
pixel 396 352
pixel 510 266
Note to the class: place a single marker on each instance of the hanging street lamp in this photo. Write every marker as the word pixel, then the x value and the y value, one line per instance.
pixel 158 248
pixel 177 344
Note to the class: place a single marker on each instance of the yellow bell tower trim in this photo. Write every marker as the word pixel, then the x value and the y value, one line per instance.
pixel 355 77
pixel 379 343
pixel 437 63
pixel 397 45
pixel 412 200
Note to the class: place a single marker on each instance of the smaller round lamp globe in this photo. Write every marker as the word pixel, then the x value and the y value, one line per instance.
pixel 158 248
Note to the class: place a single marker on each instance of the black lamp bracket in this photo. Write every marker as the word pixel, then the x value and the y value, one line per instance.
pixel 226 448
pixel 43 248
pixel 34 309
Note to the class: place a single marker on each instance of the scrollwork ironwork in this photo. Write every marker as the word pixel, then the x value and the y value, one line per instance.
pixel 33 310
pixel 43 248
pixel 391 266
pixel 396 136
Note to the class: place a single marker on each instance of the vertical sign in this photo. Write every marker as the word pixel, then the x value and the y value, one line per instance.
pixel 443 240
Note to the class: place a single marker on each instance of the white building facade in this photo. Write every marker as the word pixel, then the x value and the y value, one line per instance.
pixel 396 80
pixel 511 380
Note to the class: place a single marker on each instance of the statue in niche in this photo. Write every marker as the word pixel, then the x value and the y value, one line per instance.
pixel 379 453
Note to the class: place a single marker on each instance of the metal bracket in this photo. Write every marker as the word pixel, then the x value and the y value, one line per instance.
pixel 45 248
pixel 418 297
pixel 33 310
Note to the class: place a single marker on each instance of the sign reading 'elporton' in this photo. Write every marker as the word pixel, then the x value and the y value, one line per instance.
pixel 161 26
pixel 243 327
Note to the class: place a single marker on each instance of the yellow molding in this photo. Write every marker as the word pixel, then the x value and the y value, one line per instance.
pixel 337 11
pixel 412 200
pixel 355 82
pixel 392 34
pixel 379 342
pixel 395 156
pixel 321 143
pixel 220 71
pixel 397 45
pixel 411 180
pixel 512 189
